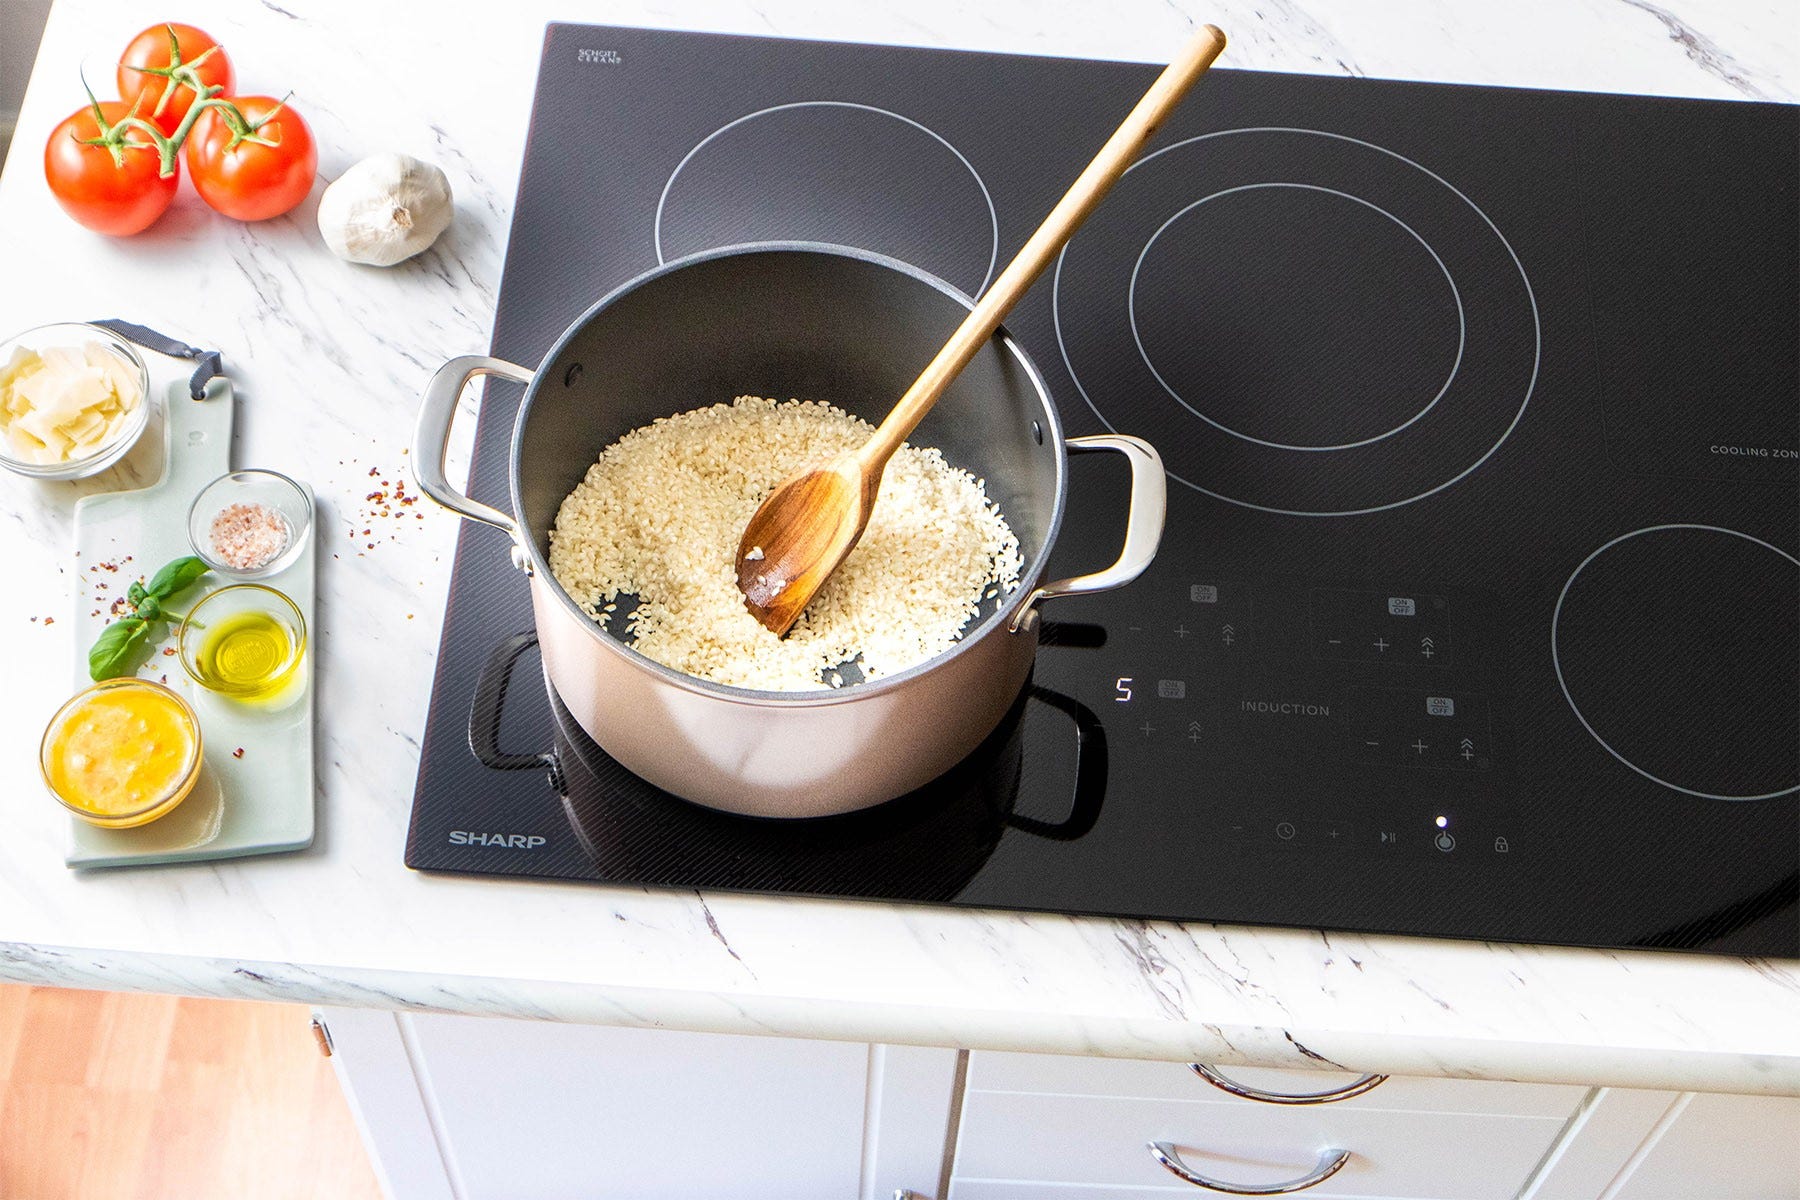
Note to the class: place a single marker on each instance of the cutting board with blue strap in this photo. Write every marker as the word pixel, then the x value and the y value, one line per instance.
pixel 255 794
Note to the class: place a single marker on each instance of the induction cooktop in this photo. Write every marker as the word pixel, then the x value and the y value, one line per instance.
pixel 1477 613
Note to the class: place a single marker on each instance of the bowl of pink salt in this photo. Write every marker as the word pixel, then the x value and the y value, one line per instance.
pixel 250 524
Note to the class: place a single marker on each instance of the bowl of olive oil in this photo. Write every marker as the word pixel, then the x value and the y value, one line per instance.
pixel 246 641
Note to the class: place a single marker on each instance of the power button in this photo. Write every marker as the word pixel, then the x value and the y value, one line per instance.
pixel 1444 842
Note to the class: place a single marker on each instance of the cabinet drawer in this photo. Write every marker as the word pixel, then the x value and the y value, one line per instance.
pixel 1009 1189
pixel 998 1071
pixel 1020 1137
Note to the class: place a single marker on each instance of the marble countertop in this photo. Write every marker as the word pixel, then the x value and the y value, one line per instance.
pixel 330 360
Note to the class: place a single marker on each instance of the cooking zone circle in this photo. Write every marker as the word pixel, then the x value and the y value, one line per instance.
pixel 1260 311
pixel 1675 647
pixel 1350 330
pixel 836 172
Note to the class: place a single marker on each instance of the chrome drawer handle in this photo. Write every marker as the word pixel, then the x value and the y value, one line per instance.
pixel 1330 1163
pixel 1355 1087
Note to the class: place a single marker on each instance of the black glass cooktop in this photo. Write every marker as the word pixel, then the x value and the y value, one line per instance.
pixel 1478 611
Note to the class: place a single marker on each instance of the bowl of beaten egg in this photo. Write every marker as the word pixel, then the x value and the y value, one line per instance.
pixel 122 753
pixel 73 399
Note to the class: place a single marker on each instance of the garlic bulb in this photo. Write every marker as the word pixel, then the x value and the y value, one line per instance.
pixel 385 209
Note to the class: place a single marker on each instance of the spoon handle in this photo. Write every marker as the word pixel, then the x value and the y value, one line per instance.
pixel 1089 189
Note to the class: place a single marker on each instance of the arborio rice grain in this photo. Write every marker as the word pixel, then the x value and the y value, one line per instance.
pixel 659 515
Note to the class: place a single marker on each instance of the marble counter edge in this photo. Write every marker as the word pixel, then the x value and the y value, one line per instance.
pixel 1654 1067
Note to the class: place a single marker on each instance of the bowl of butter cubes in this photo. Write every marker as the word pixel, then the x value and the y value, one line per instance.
pixel 73 400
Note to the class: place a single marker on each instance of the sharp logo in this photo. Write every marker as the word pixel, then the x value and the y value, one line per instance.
pixel 498 841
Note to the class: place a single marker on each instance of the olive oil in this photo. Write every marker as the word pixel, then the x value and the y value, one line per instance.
pixel 250 655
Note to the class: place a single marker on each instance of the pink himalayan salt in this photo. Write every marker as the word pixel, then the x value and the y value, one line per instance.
pixel 247 536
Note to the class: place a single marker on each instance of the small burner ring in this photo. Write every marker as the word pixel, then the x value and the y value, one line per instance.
pixel 660 237
pixel 1556 657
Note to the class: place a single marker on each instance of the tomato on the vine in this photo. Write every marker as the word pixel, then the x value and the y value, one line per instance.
pixel 160 68
pixel 254 168
pixel 115 189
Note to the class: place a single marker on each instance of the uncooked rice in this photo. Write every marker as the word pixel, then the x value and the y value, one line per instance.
pixel 659 515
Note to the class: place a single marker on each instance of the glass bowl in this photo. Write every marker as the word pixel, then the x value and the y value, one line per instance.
pixel 270 489
pixel 58 761
pixel 75 336
pixel 245 641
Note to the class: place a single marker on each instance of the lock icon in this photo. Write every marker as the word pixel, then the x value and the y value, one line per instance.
pixel 1500 846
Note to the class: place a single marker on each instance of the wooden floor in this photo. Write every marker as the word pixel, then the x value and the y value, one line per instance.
pixel 108 1095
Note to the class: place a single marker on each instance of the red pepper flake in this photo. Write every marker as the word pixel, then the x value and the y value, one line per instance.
pixel 238 753
pixel 49 620
pixel 34 620
pixel 374 471
pixel 365 533
pixel 168 652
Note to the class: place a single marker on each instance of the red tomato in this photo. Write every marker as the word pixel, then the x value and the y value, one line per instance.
pixel 251 180
pixel 107 197
pixel 165 99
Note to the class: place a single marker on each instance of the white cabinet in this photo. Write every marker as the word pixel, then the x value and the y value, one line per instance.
pixel 1032 1122
pixel 476 1108
pixel 535 1109
pixel 467 1108
pixel 1745 1147
pixel 1637 1145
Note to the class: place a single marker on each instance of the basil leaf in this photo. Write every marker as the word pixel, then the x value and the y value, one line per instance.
pixel 113 648
pixel 176 577
pixel 135 593
pixel 149 609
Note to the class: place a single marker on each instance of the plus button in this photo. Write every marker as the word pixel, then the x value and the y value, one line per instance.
pixel 1420 746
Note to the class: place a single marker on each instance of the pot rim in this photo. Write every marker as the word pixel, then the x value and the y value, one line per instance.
pixel 1029 574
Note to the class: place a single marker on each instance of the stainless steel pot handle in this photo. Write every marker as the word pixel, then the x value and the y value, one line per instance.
pixel 431 441
pixel 1224 1083
pixel 1143 524
pixel 1330 1163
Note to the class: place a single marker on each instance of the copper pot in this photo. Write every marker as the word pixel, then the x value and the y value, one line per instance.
pixel 786 319
pixel 926 845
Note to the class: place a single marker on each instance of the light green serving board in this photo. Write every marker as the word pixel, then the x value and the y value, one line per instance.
pixel 261 802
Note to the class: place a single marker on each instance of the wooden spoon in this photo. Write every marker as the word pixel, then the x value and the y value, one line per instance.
pixel 811 521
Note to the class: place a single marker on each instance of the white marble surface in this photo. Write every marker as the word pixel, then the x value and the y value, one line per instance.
pixel 330 360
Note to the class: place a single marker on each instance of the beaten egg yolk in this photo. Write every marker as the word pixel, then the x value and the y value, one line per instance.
pixel 121 748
